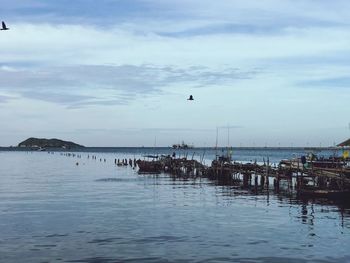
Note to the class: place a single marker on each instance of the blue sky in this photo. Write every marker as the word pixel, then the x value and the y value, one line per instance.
pixel 118 72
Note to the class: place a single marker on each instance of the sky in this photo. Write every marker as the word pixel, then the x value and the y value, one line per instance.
pixel 119 72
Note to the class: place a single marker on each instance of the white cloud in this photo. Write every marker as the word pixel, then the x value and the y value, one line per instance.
pixel 70 44
pixel 255 61
pixel 88 85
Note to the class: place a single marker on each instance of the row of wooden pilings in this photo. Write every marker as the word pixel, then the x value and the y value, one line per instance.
pixel 246 178
pixel 248 175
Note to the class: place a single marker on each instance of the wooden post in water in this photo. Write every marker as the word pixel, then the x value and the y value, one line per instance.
pixel 298 183
pixel 267 173
pixel 262 180
pixel 245 179
pixel 267 182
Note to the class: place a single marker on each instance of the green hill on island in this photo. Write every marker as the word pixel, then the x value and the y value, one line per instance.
pixel 344 144
pixel 48 143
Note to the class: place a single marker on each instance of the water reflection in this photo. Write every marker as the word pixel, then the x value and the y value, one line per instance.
pixel 229 194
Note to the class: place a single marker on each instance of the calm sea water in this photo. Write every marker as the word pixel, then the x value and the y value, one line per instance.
pixel 52 210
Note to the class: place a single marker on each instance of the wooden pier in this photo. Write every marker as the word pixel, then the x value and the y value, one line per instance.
pixel 326 178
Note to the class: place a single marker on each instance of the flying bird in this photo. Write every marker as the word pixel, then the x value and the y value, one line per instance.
pixel 4 27
pixel 190 98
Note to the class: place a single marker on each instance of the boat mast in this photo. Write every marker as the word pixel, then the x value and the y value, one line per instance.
pixel 154 147
pixel 228 142
pixel 216 143
pixel 228 135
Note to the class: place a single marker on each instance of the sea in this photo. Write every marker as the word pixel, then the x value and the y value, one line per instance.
pixel 56 207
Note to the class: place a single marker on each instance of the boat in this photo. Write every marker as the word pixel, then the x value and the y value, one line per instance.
pixel 41 149
pixel 314 162
pixel 182 146
pixel 323 193
pixel 149 167
pixel 151 156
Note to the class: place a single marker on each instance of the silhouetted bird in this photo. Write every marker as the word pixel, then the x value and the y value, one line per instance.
pixel 190 98
pixel 4 26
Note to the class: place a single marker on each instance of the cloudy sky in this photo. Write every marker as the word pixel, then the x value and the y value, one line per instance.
pixel 118 72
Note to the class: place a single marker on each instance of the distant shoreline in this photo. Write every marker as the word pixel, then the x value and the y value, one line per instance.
pixel 87 149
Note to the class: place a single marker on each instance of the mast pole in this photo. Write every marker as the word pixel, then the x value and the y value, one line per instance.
pixel 216 143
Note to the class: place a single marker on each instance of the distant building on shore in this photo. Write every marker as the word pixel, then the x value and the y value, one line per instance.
pixel 344 144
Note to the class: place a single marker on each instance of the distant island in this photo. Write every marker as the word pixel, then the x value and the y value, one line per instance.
pixel 48 143
pixel 344 144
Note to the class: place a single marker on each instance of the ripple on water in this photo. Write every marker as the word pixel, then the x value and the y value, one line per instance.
pixel 118 180
pixel 126 260
pixel 257 242
pixel 45 245
pixel 160 239
pixel 57 235
pixel 103 241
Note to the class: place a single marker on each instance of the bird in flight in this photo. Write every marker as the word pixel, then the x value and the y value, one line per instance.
pixel 3 26
pixel 190 98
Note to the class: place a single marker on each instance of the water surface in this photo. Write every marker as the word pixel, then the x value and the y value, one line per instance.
pixel 52 210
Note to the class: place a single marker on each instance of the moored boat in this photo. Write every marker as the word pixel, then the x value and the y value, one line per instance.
pixel 152 167
pixel 182 146
pixel 324 193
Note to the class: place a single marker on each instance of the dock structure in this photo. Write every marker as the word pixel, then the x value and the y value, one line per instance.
pixel 323 178
pixel 175 166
